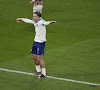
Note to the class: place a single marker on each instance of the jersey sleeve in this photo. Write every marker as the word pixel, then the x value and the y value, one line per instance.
pixel 43 22
pixel 27 20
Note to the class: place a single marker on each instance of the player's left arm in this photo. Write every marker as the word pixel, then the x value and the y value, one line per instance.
pixel 48 22
pixel 52 22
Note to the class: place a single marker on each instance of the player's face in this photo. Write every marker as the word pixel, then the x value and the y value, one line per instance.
pixel 35 17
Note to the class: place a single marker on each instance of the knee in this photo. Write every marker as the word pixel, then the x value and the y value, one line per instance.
pixel 39 58
pixel 34 57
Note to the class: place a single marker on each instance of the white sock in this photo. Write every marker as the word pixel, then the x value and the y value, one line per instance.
pixel 43 71
pixel 38 69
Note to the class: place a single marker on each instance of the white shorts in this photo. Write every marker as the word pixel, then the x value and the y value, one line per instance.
pixel 37 8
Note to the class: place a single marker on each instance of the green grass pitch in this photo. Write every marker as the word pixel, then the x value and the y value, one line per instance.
pixel 72 48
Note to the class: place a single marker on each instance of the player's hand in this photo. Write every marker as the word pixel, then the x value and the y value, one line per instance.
pixel 52 21
pixel 18 20
pixel 31 2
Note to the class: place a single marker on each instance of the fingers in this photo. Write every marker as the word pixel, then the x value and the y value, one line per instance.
pixel 52 21
pixel 18 20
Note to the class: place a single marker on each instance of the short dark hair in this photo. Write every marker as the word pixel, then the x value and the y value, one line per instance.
pixel 38 13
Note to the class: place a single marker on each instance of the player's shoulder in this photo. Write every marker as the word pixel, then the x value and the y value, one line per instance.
pixel 41 21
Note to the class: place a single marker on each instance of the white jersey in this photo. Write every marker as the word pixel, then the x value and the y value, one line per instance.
pixel 40 29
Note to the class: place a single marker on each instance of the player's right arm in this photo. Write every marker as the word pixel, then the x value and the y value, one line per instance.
pixel 25 20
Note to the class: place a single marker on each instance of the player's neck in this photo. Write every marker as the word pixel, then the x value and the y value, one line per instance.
pixel 37 20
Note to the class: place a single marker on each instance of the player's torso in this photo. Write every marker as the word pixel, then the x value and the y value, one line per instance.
pixel 39 2
pixel 40 28
pixel 40 32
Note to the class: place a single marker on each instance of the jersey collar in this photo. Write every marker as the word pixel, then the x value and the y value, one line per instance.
pixel 38 21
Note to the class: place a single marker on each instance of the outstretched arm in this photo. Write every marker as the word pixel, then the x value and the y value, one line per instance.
pixel 52 22
pixel 32 2
pixel 48 22
pixel 25 20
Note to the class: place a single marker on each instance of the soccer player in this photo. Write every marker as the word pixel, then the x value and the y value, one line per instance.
pixel 39 41
pixel 38 5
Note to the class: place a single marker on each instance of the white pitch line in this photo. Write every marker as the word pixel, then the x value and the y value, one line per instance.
pixel 51 77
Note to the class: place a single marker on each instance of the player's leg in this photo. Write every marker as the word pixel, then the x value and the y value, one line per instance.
pixel 37 64
pixel 34 56
pixel 41 62
pixel 42 65
pixel 40 53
